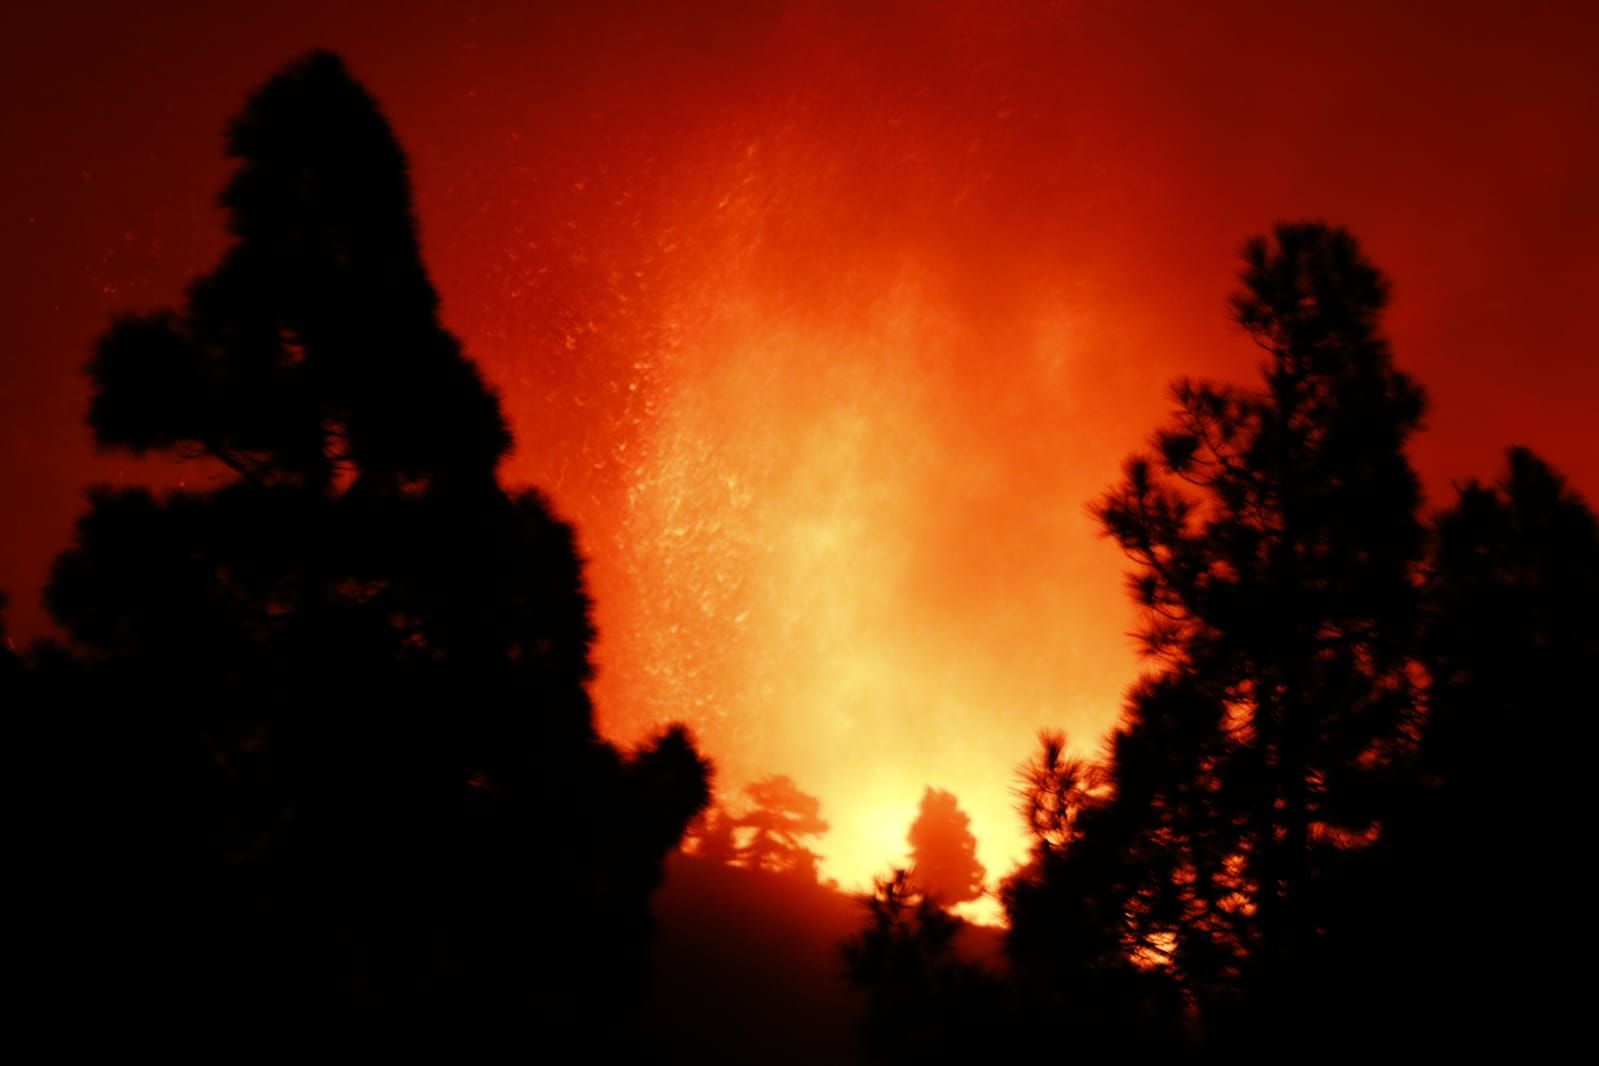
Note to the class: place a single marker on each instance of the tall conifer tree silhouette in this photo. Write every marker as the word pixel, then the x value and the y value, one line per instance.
pixel 1348 807
pixel 358 663
pixel 1276 541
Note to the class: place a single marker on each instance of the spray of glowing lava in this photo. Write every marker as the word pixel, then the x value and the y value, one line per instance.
pixel 780 499
pixel 830 576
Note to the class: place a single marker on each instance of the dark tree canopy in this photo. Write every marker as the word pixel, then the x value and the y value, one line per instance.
pixel 1476 899
pixel 364 514
pixel 1348 809
pixel 314 348
pixel 331 736
pixel 1277 547
pixel 1343 807
pixel 944 851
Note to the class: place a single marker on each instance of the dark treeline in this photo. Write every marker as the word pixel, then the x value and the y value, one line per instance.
pixel 319 757
pixel 1347 808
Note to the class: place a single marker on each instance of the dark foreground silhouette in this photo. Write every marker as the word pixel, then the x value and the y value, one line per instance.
pixel 1347 810
pixel 321 758
pixel 745 966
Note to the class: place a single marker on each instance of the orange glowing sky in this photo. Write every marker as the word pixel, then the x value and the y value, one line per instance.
pixel 825 324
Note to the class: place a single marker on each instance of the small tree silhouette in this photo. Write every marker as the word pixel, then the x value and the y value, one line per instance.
pixel 781 815
pixel 924 1003
pixel 943 850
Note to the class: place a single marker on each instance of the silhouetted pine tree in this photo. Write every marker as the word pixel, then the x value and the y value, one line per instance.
pixel 1276 539
pixel 1512 638
pixel 1074 966
pixel 350 678
pixel 780 816
pixel 924 1003
pixel 1350 809
pixel 943 851
pixel 1459 931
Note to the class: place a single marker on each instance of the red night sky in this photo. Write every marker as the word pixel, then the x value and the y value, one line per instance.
pixel 824 321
